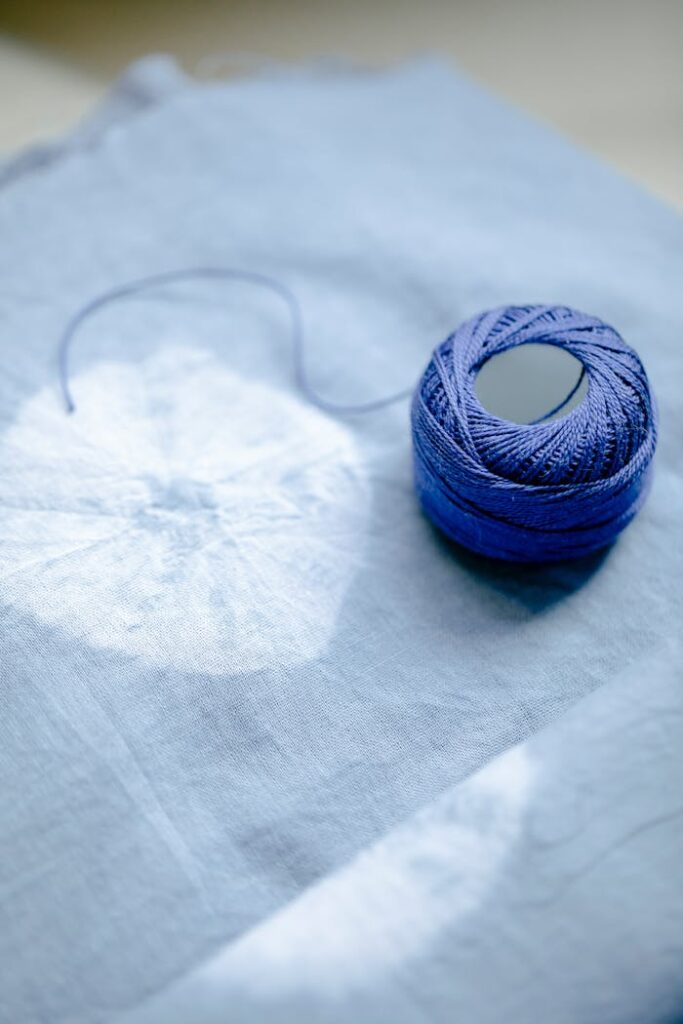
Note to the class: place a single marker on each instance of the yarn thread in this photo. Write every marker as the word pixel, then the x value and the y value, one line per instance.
pixel 234 274
pixel 542 491
pixel 535 492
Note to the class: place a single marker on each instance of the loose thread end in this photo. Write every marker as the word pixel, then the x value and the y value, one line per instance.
pixel 228 273
pixel 69 404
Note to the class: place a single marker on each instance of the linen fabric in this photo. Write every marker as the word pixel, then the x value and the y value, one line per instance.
pixel 254 708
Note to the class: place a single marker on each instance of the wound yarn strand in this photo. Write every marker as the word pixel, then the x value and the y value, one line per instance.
pixel 541 491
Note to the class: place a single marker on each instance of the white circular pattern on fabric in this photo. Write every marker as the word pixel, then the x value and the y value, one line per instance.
pixel 183 514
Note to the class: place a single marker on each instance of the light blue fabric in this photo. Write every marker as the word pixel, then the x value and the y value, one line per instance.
pixel 234 657
pixel 546 886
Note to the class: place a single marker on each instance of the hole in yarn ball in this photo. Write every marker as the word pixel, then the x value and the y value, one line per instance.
pixel 525 383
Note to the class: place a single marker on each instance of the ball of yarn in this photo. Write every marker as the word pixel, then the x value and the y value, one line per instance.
pixel 542 491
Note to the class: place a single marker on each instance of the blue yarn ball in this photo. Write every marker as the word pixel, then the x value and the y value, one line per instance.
pixel 543 491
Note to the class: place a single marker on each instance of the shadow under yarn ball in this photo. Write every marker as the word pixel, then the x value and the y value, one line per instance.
pixel 561 486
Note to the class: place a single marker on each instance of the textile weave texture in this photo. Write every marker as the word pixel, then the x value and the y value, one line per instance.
pixel 254 707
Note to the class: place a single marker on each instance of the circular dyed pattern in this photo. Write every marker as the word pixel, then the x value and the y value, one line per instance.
pixel 183 514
